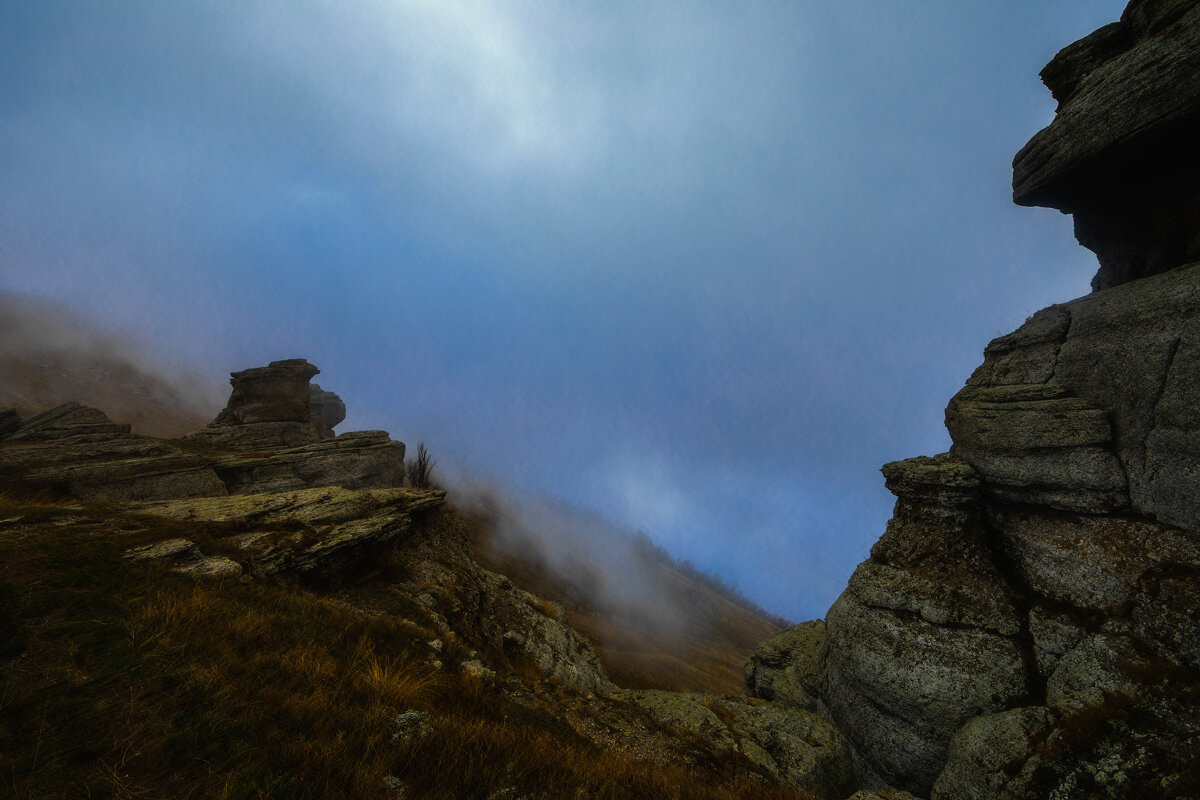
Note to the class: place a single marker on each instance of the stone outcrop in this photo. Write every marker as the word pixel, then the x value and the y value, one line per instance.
pixel 798 748
pixel 1028 626
pixel 1121 152
pixel 788 666
pixel 325 410
pixel 275 435
pixel 269 407
pixel 355 460
pixel 79 451
pixel 319 534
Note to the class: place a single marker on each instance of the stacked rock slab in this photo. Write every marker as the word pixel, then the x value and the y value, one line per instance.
pixel 1121 153
pixel 79 451
pixel 1029 624
pixel 269 407
pixel 275 435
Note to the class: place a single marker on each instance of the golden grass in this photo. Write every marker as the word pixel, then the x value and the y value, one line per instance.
pixel 131 682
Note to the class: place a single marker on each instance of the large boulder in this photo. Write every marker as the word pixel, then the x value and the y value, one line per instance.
pixel 269 407
pixel 787 667
pixel 1121 152
pixel 798 748
pixel 325 410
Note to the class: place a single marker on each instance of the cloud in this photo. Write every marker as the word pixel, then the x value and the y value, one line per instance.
pixel 591 248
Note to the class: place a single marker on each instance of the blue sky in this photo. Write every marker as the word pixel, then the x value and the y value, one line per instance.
pixel 702 267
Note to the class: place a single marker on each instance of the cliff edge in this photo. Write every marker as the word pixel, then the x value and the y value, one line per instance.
pixel 1027 625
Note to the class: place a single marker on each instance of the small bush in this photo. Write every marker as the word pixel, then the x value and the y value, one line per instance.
pixel 420 471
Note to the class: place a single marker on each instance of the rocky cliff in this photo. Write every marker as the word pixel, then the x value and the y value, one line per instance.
pixel 1029 624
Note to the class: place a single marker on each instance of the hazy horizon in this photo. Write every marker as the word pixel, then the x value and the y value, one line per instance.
pixel 698 268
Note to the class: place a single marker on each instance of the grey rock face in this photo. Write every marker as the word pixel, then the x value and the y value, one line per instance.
pixel 1129 354
pixel 278 392
pixel 1027 626
pixel 797 747
pixel 787 667
pixel 357 460
pixel 994 757
pixel 899 687
pixel 326 410
pixel 79 451
pixel 1120 154
pixel 1094 563
pixel 1035 443
pixel 323 533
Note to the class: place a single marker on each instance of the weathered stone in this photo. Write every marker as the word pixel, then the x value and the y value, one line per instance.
pixel 329 505
pixel 1166 614
pixel 1034 443
pixel 799 748
pixel 1093 563
pixel 67 420
pixel 1132 352
pixel 326 410
pixel 989 757
pixel 882 794
pixel 341 528
pixel 1098 667
pixel 787 667
pixel 278 392
pixel 940 479
pixel 1120 154
pixel 1053 634
pixel 935 558
pixel 900 687
pixel 256 436
pixel 1028 354
pixel 955 600
pixel 186 557
pixel 79 451
pixel 357 460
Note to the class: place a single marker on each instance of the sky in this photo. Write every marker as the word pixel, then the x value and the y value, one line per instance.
pixel 698 267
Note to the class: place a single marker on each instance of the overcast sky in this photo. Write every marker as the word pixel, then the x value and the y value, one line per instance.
pixel 701 267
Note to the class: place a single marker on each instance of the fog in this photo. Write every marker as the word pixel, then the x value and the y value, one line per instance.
pixel 696 268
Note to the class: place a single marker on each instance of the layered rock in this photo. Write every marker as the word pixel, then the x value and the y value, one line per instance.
pixel 274 435
pixel 1120 154
pixel 317 534
pixel 269 407
pixel 1028 626
pixel 79 451
pixel 325 410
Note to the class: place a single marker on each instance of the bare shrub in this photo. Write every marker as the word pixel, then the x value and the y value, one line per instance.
pixel 420 470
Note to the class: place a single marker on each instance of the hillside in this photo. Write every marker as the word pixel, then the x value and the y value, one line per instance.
pixel 656 623
pixel 266 609
pixel 48 357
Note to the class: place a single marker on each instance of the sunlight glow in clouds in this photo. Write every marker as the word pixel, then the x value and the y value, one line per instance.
pixel 700 266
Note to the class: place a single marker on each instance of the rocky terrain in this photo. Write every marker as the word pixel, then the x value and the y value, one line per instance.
pixel 265 608
pixel 1028 626
pixel 267 501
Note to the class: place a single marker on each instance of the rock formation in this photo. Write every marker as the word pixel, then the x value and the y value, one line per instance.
pixel 325 410
pixel 1121 152
pixel 79 451
pixel 274 435
pixel 269 407
pixel 1029 623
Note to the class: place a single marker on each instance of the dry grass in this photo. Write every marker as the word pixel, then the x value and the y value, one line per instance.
pixel 122 680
